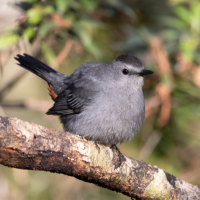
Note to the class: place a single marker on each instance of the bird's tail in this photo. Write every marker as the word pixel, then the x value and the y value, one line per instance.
pixel 40 69
pixel 35 66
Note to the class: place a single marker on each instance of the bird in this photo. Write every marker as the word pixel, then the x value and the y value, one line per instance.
pixel 101 102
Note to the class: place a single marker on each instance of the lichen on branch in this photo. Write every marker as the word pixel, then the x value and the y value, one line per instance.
pixel 25 145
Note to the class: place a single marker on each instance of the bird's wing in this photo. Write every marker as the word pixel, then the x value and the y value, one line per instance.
pixel 74 97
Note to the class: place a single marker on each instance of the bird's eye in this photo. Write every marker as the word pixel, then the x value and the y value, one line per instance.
pixel 125 71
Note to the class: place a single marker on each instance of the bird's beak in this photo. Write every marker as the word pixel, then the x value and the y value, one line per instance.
pixel 145 72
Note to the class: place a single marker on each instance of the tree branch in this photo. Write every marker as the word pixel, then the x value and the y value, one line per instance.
pixel 29 146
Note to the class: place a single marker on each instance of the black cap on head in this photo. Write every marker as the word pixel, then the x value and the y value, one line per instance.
pixel 129 59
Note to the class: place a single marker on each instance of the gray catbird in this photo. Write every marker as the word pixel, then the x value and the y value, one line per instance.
pixel 101 102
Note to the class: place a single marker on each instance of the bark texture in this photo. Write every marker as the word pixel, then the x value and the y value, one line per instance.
pixel 25 145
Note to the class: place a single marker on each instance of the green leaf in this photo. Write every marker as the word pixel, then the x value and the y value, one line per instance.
pixel 195 8
pixel 32 1
pixel 170 34
pixel 48 53
pixel 8 40
pixel 45 28
pixel 188 46
pixel 61 6
pixel 88 5
pixel 195 15
pixel 34 15
pixel 47 10
pixel 29 33
pixel 88 43
pixel 89 24
pixel 183 13
pixel 174 23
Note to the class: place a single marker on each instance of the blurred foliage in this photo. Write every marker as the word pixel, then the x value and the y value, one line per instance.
pixel 163 34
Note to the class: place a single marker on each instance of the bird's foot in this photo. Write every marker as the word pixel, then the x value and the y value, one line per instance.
pixel 97 146
pixel 118 157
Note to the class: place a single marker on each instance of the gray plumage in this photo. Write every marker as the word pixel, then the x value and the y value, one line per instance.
pixel 101 102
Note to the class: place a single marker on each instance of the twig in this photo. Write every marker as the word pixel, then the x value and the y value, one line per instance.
pixel 38 105
pixel 164 92
pixel 160 55
pixel 4 59
pixel 59 21
pixel 63 53
pixel 150 145
pixel 151 105
pixel 29 146
pixel 163 89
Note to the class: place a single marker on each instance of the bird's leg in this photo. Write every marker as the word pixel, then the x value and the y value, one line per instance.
pixel 118 157
pixel 97 146
pixel 115 148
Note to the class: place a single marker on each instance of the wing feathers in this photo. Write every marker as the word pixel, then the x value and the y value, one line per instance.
pixel 65 105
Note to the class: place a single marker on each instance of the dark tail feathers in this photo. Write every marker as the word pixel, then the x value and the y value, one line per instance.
pixel 35 66
pixel 42 70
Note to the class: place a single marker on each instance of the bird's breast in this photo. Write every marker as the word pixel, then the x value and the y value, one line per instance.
pixel 110 118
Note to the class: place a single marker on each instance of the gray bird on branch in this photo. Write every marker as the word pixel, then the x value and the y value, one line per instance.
pixel 100 102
